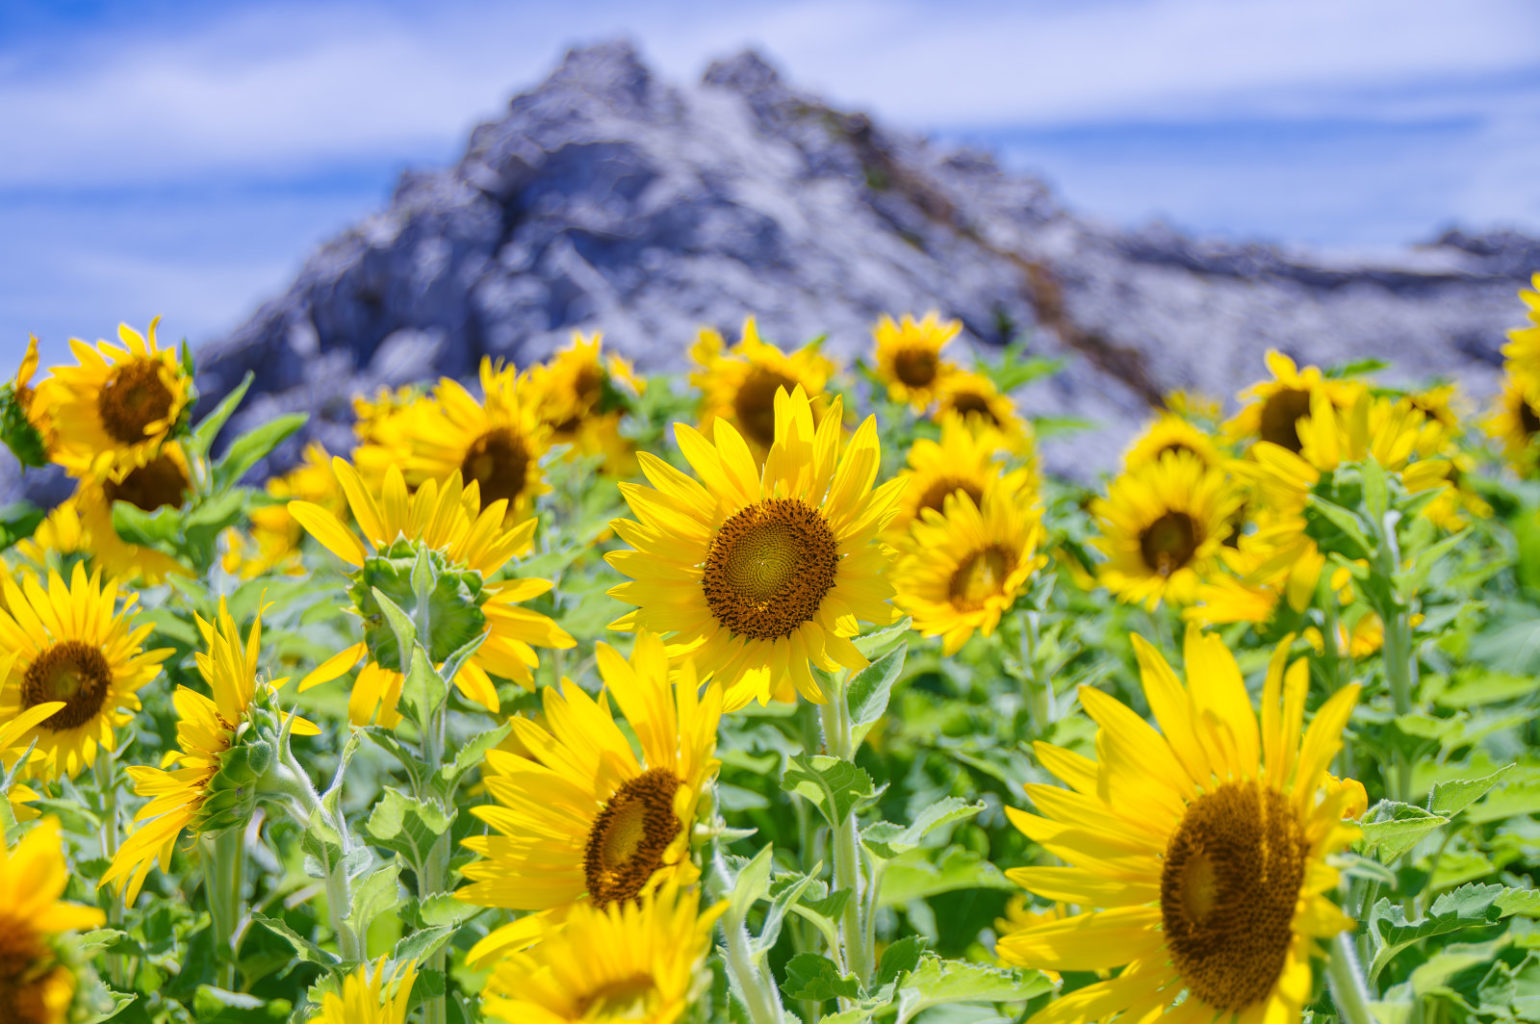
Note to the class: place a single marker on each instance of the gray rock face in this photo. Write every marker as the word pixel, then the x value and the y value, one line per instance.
pixel 608 199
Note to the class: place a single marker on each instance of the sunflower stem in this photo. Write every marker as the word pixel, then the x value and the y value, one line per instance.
pixel 107 782
pixel 1346 981
pixel 856 952
pixel 307 809
pixel 224 866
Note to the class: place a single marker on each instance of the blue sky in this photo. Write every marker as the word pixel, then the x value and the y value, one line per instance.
pixel 182 158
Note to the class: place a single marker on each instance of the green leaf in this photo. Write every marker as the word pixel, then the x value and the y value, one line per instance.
pixel 373 894
pixel 938 982
pixel 900 958
pixel 401 623
pixel 1469 906
pixel 1376 492
pixel 811 976
pixel 407 825
pixel 1520 903
pixel 19 524
pixel 219 1006
pixel 915 875
pixel 1392 828
pixel 1345 521
pixel 424 690
pixel 422 943
pixel 888 840
pixel 751 884
pixel 787 890
pixel 870 689
pixel 159 529
pixel 874 645
pixel 208 428
pixel 1450 798
pixel 306 949
pixel 835 787
pixel 253 446
pixel 471 754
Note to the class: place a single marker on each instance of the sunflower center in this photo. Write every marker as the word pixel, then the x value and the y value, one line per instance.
pixel 499 461
pixel 156 484
pixel 936 494
pixel 630 836
pixel 74 672
pixel 971 403
pixel 1176 447
pixel 769 568
pixel 630 998
pixel 916 367
pixel 587 389
pixel 1169 542
pixel 980 576
pixel 24 981
pixel 131 398
pixel 1281 414
pixel 754 404
pixel 1231 879
pixel 1529 420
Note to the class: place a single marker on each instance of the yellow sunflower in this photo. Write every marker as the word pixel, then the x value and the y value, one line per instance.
pixel 637 962
pixel 274 541
pixel 761 571
pixel 1271 408
pixel 118 405
pixel 162 480
pixel 58 539
pixel 963 567
pixel 964 461
pixel 909 356
pixel 1162 525
pixel 207 729
pixel 1523 349
pixel 496 442
pixel 369 414
pixel 25 425
pixel 1172 433
pixel 471 536
pixel 974 399
pixel 73 643
pixel 35 986
pixel 12 749
pixel 580 396
pixel 582 817
pixel 1517 419
pixel 369 997
pixel 1199 852
pixel 739 385
pixel 1257 580
pixel 1020 914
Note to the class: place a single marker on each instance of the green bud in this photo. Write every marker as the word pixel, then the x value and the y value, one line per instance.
pixel 454 603
pixel 233 791
pixel 17 431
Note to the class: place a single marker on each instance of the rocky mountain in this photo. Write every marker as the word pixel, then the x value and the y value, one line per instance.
pixel 608 198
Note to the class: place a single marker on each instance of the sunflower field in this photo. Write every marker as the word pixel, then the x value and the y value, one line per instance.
pixel 778 691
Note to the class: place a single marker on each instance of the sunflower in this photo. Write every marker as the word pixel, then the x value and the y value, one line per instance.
pixel 118 405
pixel 739 385
pixel 59 538
pixel 496 442
pixel 73 643
pixel 1172 433
pixel 1258 581
pixel 24 423
pixel 471 537
pixel 963 567
pixel 964 461
pixel 1517 419
pixel 369 414
pixel 580 396
pixel 36 987
pixel 162 480
pixel 1272 408
pixel 1200 852
pixel 207 731
pixel 274 541
pixel 582 817
pixel 1020 914
pixel 369 997
pixel 974 399
pixel 12 749
pixel 1523 349
pixel 1162 525
pixel 638 962
pixel 909 356
pixel 761 571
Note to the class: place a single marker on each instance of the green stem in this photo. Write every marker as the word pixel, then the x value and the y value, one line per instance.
pixel 294 781
pixel 224 868
pixel 107 784
pixel 754 982
pixel 433 877
pixel 1039 691
pixel 857 954
pixel 1346 981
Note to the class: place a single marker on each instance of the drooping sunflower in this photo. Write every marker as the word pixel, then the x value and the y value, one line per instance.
pixel 1162 525
pixel 161 480
pixel 369 996
pixel 974 399
pixel 964 461
pixel 192 794
pixel 36 986
pixel 909 356
pixel 471 536
pixel 274 541
pixel 1199 852
pixel 1272 408
pixel 963 567
pixel 1172 433
pixel 25 425
pixel 581 396
pixel 739 384
pixel 496 442
pixel 118 405
pixel 637 962
pixel 77 644
pixel 760 571
pixel 583 818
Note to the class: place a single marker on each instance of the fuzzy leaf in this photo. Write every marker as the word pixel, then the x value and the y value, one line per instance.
pixel 835 787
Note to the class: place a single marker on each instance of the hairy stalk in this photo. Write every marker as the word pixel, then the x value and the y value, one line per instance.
pixel 856 953
pixel 1039 691
pixel 224 869
pixel 1346 980
pixel 107 783
pixel 306 805
pixel 755 984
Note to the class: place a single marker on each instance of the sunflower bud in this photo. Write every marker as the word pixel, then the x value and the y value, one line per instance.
pixel 454 597
pixel 232 793
pixel 17 430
